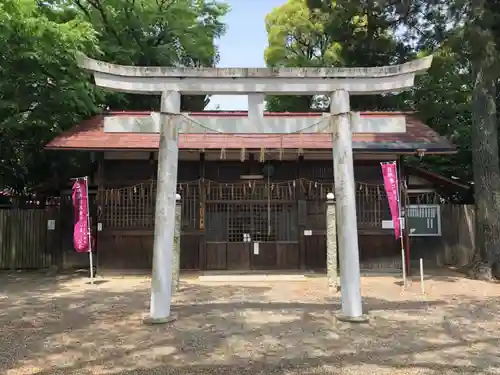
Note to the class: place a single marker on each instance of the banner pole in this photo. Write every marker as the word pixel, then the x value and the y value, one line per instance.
pixel 422 289
pixel 392 187
pixel 401 223
pixel 403 260
pixel 91 262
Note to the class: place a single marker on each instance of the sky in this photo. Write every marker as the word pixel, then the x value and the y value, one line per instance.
pixel 243 45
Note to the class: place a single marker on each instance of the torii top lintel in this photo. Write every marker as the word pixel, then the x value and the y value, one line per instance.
pixel 241 81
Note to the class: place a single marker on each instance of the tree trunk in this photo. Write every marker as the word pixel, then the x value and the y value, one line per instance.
pixel 485 162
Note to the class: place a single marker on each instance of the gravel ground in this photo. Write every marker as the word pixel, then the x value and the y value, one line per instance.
pixel 61 325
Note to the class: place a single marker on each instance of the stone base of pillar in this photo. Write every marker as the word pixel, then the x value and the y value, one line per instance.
pixel 154 321
pixel 350 319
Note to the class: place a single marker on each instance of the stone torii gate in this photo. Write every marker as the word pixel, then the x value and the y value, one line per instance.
pixel 338 83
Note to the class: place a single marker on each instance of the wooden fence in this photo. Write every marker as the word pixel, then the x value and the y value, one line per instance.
pixel 28 240
pixel 458 227
pixel 133 207
pixel 455 246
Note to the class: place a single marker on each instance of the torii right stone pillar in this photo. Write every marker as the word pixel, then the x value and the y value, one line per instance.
pixel 347 228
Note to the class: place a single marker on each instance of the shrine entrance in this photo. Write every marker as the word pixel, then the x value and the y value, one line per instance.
pixel 251 226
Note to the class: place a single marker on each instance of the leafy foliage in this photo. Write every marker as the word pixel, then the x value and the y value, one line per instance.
pixel 443 101
pixel 376 33
pixel 155 33
pixel 342 33
pixel 43 92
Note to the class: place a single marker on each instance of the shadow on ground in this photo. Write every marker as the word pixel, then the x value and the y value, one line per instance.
pixel 64 326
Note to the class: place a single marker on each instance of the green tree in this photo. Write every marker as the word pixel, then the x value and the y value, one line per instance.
pixel 155 33
pixel 375 33
pixel 42 91
pixel 442 99
pixel 305 33
pixel 475 24
pixel 482 33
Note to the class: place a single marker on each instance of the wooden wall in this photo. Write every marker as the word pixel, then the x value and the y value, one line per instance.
pixel 130 244
pixel 121 173
pixel 456 246
pixel 26 239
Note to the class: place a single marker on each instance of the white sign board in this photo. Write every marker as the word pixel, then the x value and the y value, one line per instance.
pixel 388 224
pixel 51 224
pixel 99 227
pixel 308 232
pixel 256 248
pixel 246 237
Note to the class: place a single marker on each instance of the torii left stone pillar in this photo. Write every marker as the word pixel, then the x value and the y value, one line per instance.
pixel 165 223
pixel 339 83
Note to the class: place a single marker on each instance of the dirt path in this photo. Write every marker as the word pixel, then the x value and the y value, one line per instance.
pixel 65 326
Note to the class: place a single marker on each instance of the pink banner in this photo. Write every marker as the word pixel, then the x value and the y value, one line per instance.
pixel 390 174
pixel 80 205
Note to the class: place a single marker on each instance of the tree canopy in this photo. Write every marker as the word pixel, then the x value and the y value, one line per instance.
pixel 376 33
pixel 43 92
pixel 155 33
pixel 41 89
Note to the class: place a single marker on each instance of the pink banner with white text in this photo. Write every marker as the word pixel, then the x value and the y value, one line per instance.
pixel 81 220
pixel 390 174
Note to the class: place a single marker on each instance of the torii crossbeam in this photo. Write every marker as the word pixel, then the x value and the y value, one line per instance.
pixel 338 83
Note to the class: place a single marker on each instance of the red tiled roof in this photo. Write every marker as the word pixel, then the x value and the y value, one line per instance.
pixel 90 135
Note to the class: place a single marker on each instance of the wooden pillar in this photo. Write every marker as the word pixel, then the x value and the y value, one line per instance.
pixel 100 170
pixel 252 163
pixel 153 162
pixel 202 199
pixel 98 207
pixel 403 201
pixel 93 168
pixel 301 213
